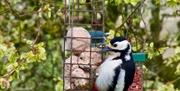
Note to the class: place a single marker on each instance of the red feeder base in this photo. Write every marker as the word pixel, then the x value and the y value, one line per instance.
pixel 137 84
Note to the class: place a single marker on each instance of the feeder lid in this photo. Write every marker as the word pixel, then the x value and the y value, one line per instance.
pixel 97 36
pixel 140 57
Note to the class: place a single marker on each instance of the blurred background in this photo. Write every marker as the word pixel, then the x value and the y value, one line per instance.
pixel 31 40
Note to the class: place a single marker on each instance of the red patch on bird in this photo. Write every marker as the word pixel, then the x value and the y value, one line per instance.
pixel 95 88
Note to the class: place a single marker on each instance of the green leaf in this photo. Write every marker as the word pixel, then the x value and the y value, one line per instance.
pixel 59 86
pixel 118 2
pixel 134 2
pixel 127 1
pixel 151 45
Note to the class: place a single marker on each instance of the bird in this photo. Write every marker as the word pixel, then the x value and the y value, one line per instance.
pixel 117 71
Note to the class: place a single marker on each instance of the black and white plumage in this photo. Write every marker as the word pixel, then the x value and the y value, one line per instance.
pixel 116 73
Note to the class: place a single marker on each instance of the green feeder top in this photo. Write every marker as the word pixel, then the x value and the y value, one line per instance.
pixel 140 57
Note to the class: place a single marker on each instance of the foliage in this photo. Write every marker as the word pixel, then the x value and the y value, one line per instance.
pixel 31 34
pixel 13 61
pixel 28 28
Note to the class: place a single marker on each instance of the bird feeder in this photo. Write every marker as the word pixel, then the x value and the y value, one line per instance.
pixel 84 20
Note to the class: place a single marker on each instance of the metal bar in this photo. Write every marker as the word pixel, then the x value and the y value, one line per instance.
pixel 80 64
pixel 92 19
pixel 97 1
pixel 84 24
pixel 83 37
pixel 64 52
pixel 88 78
pixel 75 90
pixel 71 25
pixel 78 8
pixel 103 16
pixel 89 3
pixel 65 10
pixel 83 4
pixel 83 51
pixel 91 73
pixel 98 11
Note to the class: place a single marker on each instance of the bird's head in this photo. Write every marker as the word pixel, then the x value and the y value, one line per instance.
pixel 119 44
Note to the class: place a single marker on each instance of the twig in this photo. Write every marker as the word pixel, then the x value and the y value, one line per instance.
pixel 143 20
pixel 7 75
pixel 173 81
pixel 10 7
pixel 2 12
pixel 132 13
pixel 35 40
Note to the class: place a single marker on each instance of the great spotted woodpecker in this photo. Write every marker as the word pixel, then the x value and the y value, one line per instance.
pixel 116 73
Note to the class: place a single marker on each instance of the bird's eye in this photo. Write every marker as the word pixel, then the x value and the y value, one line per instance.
pixel 114 45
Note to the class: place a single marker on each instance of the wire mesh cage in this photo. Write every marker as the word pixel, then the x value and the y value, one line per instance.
pixel 84 20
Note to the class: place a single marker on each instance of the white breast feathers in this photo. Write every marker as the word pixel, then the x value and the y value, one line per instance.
pixel 106 73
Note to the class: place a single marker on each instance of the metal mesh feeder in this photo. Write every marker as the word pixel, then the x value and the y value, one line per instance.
pixel 82 55
pixel 84 20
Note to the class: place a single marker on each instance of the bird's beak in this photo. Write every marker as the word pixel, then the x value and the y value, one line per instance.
pixel 106 49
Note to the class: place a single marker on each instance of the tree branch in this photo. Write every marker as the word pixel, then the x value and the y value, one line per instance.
pixel 130 15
